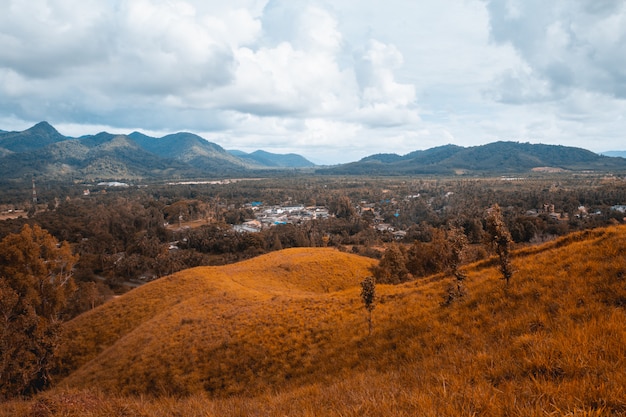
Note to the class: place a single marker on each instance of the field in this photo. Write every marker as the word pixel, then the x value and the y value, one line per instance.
pixel 286 334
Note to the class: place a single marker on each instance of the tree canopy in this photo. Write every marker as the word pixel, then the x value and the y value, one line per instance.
pixel 35 286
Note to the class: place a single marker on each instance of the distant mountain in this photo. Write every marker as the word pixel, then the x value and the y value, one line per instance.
pixel 493 158
pixel 236 152
pixel 38 136
pixel 385 158
pixel 268 159
pixel 42 150
pixel 102 156
pixel 619 154
pixel 191 149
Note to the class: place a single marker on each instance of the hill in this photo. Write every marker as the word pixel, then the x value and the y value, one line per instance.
pixel 43 151
pixel 620 154
pixel 263 158
pixel 39 136
pixel 213 310
pixel 492 158
pixel 270 337
pixel 98 157
pixel 191 149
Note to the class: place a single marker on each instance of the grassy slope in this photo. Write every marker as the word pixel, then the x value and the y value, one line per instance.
pixel 552 343
pixel 253 318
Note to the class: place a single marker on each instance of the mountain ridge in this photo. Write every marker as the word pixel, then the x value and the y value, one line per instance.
pixel 264 158
pixel 42 150
pixel 619 154
pixel 499 157
pixel 38 136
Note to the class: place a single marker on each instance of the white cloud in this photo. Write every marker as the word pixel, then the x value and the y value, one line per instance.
pixel 569 44
pixel 40 39
pixel 520 85
pixel 384 101
pixel 338 80
pixel 167 48
pixel 300 72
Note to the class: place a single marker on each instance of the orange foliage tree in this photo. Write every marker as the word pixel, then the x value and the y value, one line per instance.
pixel 35 286
pixel 392 267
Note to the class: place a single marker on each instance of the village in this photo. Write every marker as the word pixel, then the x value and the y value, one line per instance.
pixel 275 215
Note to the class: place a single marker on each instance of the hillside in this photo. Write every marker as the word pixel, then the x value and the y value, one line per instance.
pixel 39 136
pixel 492 158
pixel 268 337
pixel 269 159
pixel 98 157
pixel 217 312
pixel 43 151
pixel 191 149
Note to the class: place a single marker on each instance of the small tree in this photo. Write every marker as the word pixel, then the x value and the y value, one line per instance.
pixel 500 239
pixel 457 242
pixel 427 258
pixel 392 267
pixel 368 295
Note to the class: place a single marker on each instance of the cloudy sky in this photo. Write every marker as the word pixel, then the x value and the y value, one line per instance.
pixel 331 80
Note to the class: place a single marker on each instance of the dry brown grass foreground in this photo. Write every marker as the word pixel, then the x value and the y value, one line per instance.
pixel 286 335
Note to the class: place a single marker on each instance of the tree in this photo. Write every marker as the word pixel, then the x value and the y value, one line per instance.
pixel 457 241
pixel 368 295
pixel 456 244
pixel 426 258
pixel 392 267
pixel 342 208
pixel 500 239
pixel 35 286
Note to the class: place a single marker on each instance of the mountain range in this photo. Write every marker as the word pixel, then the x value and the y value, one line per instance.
pixel 493 158
pixel 290 160
pixel 42 151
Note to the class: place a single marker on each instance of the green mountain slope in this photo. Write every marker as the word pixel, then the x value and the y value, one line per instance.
pixel 42 151
pixel 493 158
pixel 268 159
pixel 99 157
pixel 38 136
pixel 191 149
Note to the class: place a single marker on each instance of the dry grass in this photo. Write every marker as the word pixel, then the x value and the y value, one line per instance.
pixel 286 334
pixel 230 328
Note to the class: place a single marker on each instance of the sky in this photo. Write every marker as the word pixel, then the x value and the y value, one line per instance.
pixel 333 81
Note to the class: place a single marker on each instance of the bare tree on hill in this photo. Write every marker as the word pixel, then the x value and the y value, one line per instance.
pixel 500 239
